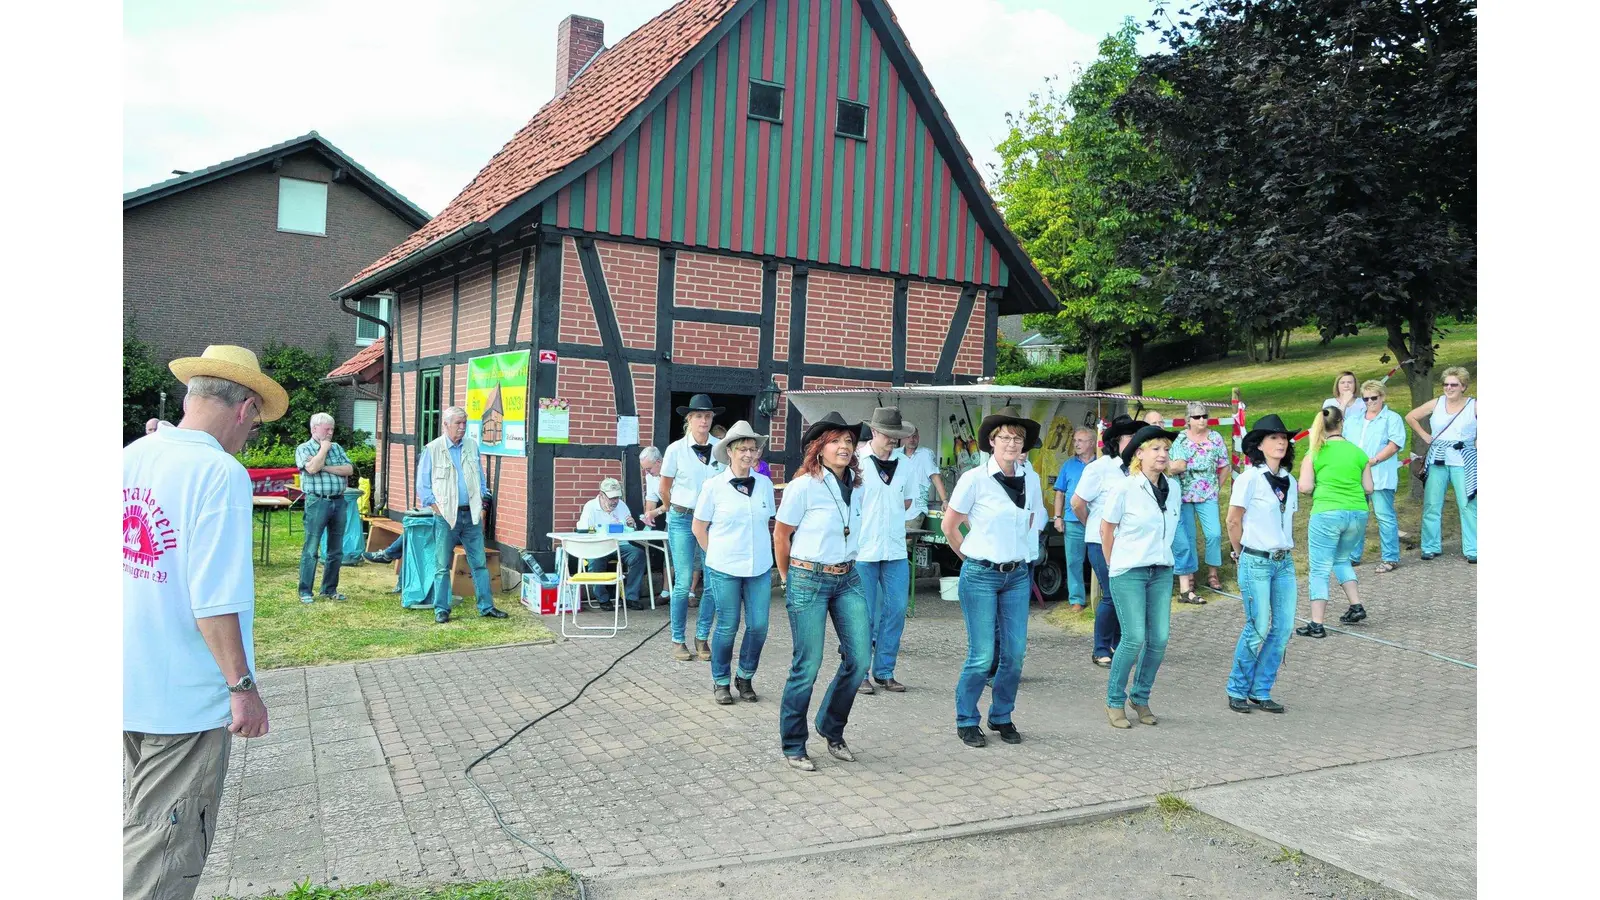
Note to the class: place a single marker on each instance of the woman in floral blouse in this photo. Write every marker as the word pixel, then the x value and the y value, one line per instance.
pixel 1199 459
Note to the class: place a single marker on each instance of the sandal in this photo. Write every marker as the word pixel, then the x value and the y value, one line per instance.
pixel 1103 662
pixel 1190 596
pixel 1214 582
pixel 1386 567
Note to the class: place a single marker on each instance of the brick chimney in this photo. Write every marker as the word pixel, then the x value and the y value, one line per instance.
pixel 578 39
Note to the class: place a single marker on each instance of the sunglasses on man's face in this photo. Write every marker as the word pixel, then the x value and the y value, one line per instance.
pixel 1201 416
pixel 1372 399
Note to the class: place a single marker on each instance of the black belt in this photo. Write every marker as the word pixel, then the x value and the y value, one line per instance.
pixel 1273 555
pixel 325 496
pixel 999 567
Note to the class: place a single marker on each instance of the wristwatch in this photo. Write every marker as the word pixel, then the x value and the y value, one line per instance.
pixel 245 684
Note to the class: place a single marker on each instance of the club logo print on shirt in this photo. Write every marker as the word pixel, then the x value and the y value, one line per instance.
pixel 147 533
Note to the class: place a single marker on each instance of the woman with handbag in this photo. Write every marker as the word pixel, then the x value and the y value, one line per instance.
pixel 1338 476
pixel 1451 460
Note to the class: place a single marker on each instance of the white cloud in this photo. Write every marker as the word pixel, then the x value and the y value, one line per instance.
pixel 424 95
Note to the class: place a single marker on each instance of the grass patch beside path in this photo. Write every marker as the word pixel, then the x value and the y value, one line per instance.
pixel 1295 387
pixel 371 624
pixel 550 885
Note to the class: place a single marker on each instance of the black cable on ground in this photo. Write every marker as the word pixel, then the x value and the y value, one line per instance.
pixel 493 807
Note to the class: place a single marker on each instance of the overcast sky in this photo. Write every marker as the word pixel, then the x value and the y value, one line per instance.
pixel 423 94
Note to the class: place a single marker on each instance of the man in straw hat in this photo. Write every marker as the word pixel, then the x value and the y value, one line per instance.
pixel 888 491
pixel 188 607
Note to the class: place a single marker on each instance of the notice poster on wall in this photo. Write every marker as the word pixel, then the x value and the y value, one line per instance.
pixel 553 421
pixel 497 403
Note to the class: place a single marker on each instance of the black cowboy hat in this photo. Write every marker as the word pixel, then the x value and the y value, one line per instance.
pixel 1144 434
pixel 1008 415
pixel 830 422
pixel 1266 425
pixel 700 403
pixel 1121 425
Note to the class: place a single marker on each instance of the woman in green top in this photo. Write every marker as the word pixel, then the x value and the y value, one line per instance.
pixel 1338 476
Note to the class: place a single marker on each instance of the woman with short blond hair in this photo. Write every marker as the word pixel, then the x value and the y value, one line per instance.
pixel 1381 434
pixel 1452 460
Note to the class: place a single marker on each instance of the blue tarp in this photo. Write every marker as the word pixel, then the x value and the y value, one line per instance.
pixel 417 560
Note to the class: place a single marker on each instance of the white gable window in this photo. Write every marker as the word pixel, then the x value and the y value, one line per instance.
pixel 367 332
pixel 302 206
pixel 364 417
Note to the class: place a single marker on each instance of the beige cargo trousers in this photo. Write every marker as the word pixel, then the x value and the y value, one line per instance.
pixel 174 791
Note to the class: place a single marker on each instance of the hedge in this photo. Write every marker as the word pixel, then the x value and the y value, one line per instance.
pixel 280 456
pixel 1163 356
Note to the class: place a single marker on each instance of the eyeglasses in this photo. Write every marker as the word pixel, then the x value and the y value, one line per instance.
pixel 1454 384
pixel 1372 399
pixel 1005 439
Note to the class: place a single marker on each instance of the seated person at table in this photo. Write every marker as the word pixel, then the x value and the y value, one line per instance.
pixel 388 554
pixel 608 508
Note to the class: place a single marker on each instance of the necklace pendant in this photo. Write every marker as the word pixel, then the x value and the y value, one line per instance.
pixel 847 531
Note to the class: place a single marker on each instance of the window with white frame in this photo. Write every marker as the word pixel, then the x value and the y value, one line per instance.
pixel 364 417
pixel 367 332
pixel 302 206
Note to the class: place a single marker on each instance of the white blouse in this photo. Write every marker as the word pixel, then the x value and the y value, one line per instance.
pixel 739 542
pixel 814 506
pixel 999 531
pixel 1268 522
pixel 1144 532
pixel 686 471
pixel 883 509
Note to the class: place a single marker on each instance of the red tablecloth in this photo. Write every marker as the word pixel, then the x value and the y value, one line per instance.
pixel 271 482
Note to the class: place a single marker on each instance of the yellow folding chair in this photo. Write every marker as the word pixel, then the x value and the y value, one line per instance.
pixel 586 551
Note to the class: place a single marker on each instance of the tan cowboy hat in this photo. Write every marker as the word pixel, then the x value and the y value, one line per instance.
pixel 238 365
pixel 886 420
pixel 740 430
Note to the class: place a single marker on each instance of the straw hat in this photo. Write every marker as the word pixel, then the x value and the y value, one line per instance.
pixel 740 431
pixel 238 365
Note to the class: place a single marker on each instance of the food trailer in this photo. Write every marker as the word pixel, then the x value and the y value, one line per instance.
pixel 948 417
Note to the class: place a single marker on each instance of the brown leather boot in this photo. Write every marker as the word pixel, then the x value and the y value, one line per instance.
pixel 681 653
pixel 702 648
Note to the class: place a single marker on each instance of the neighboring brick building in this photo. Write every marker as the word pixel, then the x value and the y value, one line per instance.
pixel 739 193
pixel 247 251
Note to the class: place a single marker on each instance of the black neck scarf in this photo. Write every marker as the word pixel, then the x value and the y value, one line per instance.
pixel 846 487
pixel 703 451
pixel 1161 488
pixel 1016 487
pixel 1280 486
pixel 886 467
pixel 744 485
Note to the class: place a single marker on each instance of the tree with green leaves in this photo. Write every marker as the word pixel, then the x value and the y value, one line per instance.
pixel 143 381
pixel 1067 166
pixel 1327 151
pixel 302 374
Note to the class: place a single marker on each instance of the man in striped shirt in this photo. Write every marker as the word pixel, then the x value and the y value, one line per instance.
pixel 324 468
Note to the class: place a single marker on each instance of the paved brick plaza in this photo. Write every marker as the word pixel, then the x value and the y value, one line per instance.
pixel 361 776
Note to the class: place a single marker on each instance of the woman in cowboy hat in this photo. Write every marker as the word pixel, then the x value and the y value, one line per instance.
pixel 1088 500
pixel 687 464
pixel 887 494
pixel 730 524
pixel 1139 523
pixel 814 542
pixel 1003 507
pixel 1261 530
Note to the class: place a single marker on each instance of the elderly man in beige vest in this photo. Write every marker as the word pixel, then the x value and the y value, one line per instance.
pixel 450 482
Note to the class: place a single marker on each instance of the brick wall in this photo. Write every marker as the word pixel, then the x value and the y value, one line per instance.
pixel 780 421
pixel 592 405
pixel 577 313
pixel 577 481
pixel 969 358
pixel 708 281
pixel 209 265
pixel 850 320
pixel 780 319
pixel 705 344
pixel 929 311
pixel 632 276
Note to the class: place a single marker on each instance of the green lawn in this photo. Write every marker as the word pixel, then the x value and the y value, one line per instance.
pixel 1295 387
pixel 369 625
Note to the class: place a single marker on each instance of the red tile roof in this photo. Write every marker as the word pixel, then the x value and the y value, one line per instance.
pixel 567 127
pixel 369 356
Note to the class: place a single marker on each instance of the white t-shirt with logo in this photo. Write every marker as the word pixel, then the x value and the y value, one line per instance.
pixel 687 471
pixel 186 554
pixel 739 542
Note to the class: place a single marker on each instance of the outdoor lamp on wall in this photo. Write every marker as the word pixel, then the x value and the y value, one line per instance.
pixel 768 404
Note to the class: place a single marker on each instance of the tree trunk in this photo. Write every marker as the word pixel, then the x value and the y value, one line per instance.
pixel 1136 364
pixel 1414 350
pixel 1091 360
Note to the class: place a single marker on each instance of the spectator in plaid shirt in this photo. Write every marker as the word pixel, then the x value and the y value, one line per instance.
pixel 323 470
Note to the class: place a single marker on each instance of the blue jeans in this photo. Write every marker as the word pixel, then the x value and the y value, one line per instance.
pixel 812 598
pixel 1185 561
pixel 994 606
pixel 393 550
pixel 687 558
pixel 1077 591
pixel 1331 538
pixel 1144 607
pixel 322 515
pixel 1269 591
pixel 1440 477
pixel 886 584
pixel 1388 528
pixel 1107 630
pixel 632 573
pixel 470 537
pixel 733 594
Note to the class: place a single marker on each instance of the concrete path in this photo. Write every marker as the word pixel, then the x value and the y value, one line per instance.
pixel 361 777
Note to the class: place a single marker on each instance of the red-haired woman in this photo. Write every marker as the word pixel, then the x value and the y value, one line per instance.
pixel 814 540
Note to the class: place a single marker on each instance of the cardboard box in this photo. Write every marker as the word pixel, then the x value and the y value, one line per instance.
pixel 461 573
pixel 539 597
